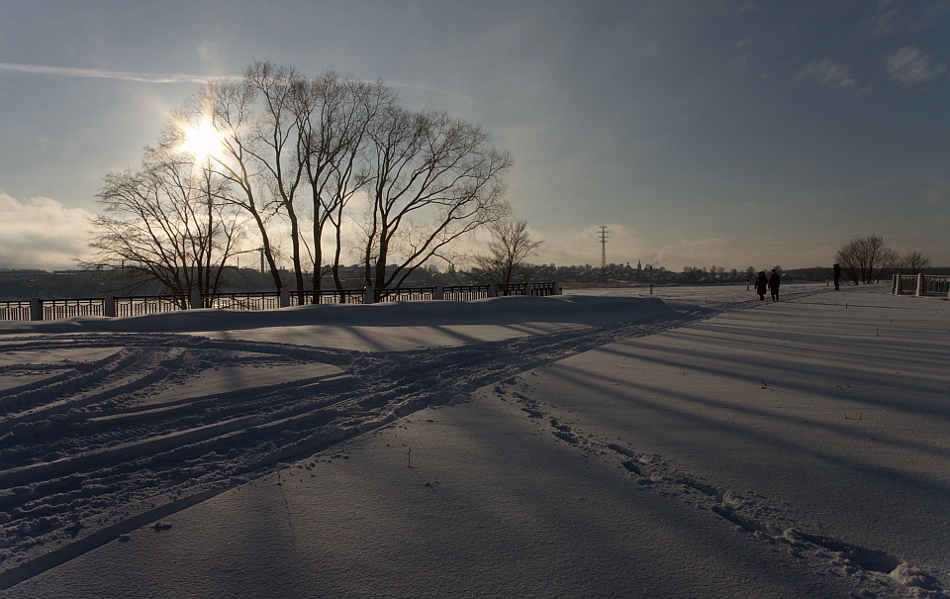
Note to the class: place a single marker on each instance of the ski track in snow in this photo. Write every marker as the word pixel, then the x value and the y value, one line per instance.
pixel 92 450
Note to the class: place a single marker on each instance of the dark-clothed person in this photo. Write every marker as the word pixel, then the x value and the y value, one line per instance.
pixel 761 282
pixel 774 282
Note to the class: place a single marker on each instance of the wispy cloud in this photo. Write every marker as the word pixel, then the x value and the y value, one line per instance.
pixel 426 88
pixel 893 19
pixel 885 22
pixel 830 73
pixel 910 66
pixel 107 74
pixel 172 78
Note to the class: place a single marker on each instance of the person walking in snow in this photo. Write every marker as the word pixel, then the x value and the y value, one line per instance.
pixel 837 275
pixel 760 284
pixel 774 282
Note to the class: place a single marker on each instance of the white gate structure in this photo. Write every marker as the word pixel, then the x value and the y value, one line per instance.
pixel 920 285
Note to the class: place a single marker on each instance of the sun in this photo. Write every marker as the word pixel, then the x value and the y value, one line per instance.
pixel 202 142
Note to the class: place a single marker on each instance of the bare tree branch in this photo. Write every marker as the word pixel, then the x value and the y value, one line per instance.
pixel 167 222
pixel 510 246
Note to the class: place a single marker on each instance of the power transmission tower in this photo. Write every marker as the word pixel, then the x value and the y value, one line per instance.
pixel 603 249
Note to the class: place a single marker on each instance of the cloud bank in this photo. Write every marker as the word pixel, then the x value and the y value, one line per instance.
pixel 41 233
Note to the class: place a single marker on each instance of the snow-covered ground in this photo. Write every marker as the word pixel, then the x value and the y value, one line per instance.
pixel 605 443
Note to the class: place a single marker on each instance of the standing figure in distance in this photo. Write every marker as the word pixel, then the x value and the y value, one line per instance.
pixel 774 282
pixel 837 275
pixel 760 284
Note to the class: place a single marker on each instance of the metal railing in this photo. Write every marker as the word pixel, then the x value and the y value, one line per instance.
pixel 270 300
pixel 143 305
pixel 127 306
pixel 68 308
pixel 327 296
pixel 15 310
pixel 242 301
pixel 466 293
pixel 535 289
pixel 409 294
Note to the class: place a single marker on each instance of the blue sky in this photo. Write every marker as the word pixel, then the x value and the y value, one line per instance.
pixel 711 132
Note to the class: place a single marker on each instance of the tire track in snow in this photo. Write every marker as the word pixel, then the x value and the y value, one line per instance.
pixel 81 457
pixel 82 454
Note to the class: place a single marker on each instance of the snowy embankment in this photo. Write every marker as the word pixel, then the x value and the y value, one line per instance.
pixel 100 431
pixel 696 405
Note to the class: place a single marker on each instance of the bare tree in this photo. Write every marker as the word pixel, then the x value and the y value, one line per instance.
pixel 229 108
pixel 292 144
pixel 167 222
pixel 692 274
pixel 289 144
pixel 433 180
pixel 334 116
pixel 259 120
pixel 914 262
pixel 510 246
pixel 275 145
pixel 866 259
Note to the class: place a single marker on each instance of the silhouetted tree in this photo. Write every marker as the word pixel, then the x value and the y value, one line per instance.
pixel 433 179
pixel 510 246
pixel 335 117
pixel 229 108
pixel 914 263
pixel 866 259
pixel 295 148
pixel 168 222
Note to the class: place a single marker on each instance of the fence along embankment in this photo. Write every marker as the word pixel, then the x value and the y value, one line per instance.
pixel 141 305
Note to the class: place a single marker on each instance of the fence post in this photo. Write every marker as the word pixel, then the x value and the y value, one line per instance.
pixel 555 290
pixel 284 297
pixel 438 293
pixel 896 284
pixel 920 284
pixel 36 309
pixel 108 306
pixel 369 295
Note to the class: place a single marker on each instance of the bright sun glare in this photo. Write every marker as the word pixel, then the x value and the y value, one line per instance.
pixel 202 141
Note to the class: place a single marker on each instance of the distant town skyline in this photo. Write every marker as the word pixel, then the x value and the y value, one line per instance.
pixel 730 133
